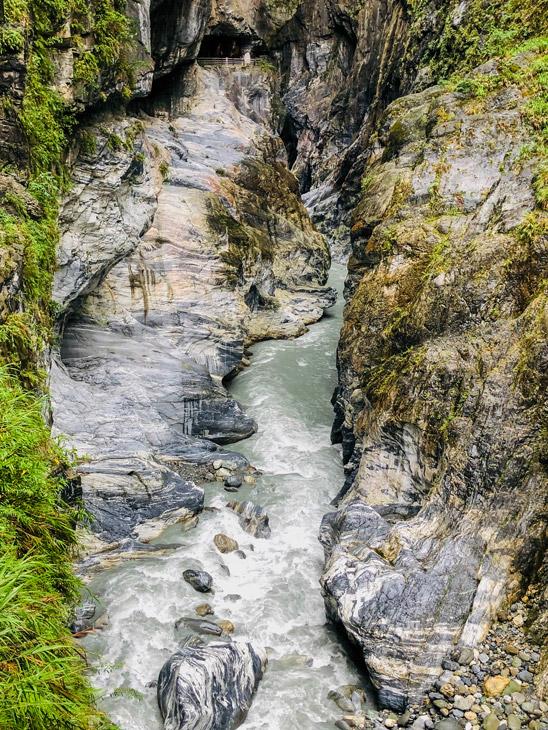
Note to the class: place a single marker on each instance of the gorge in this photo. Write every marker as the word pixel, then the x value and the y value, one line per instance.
pixel 179 181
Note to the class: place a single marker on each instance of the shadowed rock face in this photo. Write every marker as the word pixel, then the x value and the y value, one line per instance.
pixel 209 686
pixel 183 241
pixel 442 360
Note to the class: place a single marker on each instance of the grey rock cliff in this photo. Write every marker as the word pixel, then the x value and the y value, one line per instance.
pixel 442 358
pixel 175 254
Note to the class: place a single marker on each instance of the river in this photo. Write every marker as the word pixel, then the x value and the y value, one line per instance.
pixel 273 596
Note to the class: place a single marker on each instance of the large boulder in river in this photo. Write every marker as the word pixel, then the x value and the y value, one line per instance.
pixel 209 687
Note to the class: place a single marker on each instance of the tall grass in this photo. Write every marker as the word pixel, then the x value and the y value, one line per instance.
pixel 42 686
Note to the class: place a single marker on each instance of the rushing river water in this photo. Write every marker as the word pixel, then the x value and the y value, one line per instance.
pixel 273 596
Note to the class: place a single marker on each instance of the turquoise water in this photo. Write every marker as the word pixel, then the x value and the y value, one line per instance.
pixel 288 390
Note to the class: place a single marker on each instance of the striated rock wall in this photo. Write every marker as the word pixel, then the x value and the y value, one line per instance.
pixel 443 369
pixel 184 240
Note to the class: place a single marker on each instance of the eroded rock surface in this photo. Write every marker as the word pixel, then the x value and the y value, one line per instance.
pixel 184 240
pixel 209 686
pixel 442 359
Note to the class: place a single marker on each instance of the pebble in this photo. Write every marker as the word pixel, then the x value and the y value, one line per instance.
pixel 199 626
pixel 422 722
pixel 448 690
pixel 463 703
pixel 494 686
pixel 466 656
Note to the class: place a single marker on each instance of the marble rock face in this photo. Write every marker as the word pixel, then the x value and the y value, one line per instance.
pixel 209 687
pixel 159 301
pixel 442 507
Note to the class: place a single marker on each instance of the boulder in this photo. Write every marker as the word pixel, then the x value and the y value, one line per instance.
pixel 209 686
pixel 225 544
pixel 199 580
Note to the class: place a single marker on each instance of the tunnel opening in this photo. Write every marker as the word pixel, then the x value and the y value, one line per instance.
pixel 224 41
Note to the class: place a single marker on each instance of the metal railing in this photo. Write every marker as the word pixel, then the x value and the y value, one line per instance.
pixel 227 61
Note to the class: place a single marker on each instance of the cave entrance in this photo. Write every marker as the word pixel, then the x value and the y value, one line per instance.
pixel 224 41
pixel 224 46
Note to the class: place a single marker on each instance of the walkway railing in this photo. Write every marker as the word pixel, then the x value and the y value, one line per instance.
pixel 228 61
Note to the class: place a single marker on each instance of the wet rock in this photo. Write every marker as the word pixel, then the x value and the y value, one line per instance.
pixel 233 481
pixel 199 580
pixel 151 326
pixel 354 721
pixel 291 661
pixel 198 626
pixel 226 626
pixel 253 518
pixel 83 617
pixel 225 544
pixel 204 609
pixel 209 686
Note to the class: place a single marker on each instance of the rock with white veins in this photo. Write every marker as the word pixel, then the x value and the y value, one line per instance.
pixel 209 687
pixel 438 419
pixel 183 241
pixel 253 518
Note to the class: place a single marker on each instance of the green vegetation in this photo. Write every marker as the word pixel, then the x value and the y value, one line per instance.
pixel 246 219
pixel 244 242
pixel 41 670
pixel 42 682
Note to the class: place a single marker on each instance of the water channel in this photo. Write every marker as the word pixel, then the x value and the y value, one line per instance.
pixel 272 596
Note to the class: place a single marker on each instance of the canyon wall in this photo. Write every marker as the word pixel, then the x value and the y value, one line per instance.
pixel 184 240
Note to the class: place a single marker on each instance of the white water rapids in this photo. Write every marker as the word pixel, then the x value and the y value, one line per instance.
pixel 273 596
